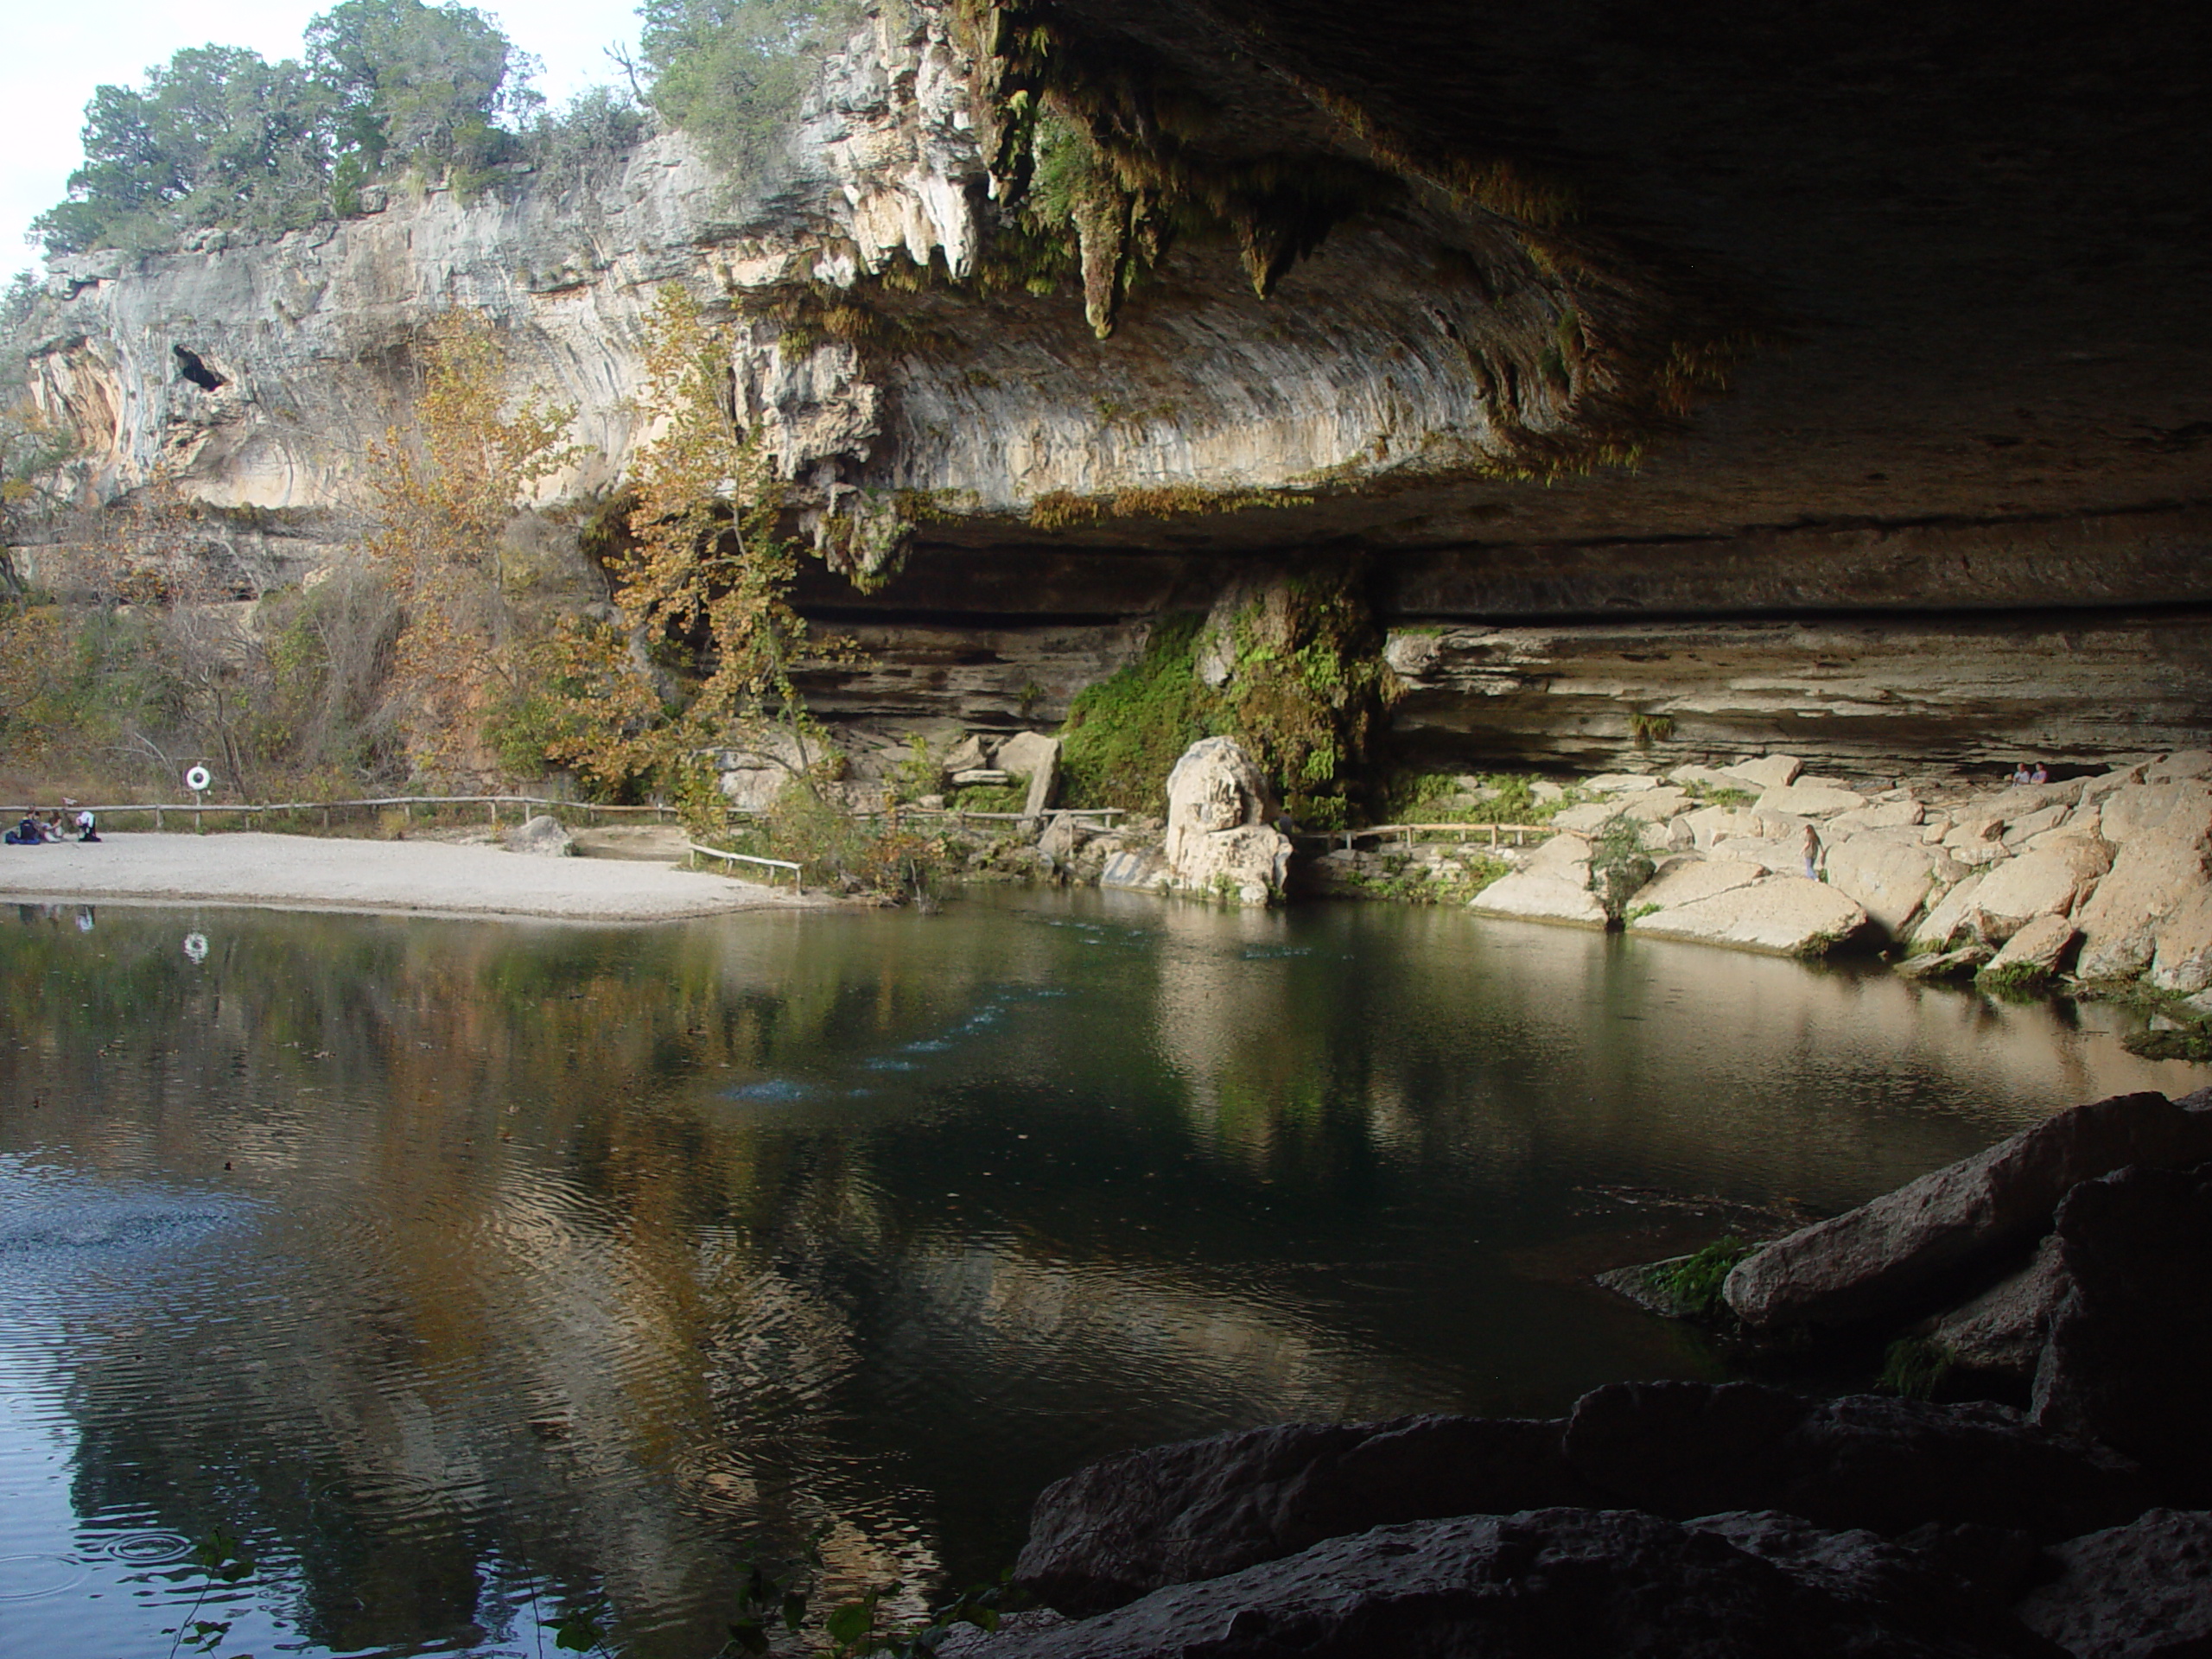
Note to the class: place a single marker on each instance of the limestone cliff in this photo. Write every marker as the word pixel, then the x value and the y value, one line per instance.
pixel 1432 285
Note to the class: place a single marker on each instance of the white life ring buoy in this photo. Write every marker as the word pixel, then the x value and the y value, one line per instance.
pixel 197 779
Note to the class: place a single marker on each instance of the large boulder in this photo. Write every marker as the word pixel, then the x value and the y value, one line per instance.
pixel 1884 1258
pixel 2143 1591
pixel 1863 1461
pixel 541 836
pixel 2130 1356
pixel 1889 880
pixel 1128 1525
pixel 1220 836
pixel 1782 915
pixel 2181 960
pixel 1546 1583
pixel 2044 882
pixel 1552 885
pixel 2151 878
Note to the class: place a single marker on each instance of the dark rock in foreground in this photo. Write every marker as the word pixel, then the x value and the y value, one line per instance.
pixel 1555 1582
pixel 2137 1591
pixel 1168 1515
pixel 2129 1360
pixel 1144 1520
pixel 1866 1461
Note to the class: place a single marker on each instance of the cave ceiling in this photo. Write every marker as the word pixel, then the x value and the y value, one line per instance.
pixel 1968 246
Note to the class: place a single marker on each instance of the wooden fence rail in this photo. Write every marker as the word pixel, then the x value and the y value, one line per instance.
pixel 1406 833
pixel 745 858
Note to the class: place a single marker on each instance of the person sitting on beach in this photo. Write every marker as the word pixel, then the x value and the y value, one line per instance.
pixel 50 828
pixel 2040 775
pixel 86 828
pixel 29 832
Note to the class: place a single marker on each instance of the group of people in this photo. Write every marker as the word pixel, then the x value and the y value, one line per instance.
pixel 2024 773
pixel 34 831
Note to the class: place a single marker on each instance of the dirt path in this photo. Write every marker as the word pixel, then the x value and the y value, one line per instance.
pixel 424 877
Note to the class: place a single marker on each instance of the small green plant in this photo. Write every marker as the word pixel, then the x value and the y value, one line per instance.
pixel 919 774
pixel 1642 911
pixel 1914 1368
pixel 989 797
pixel 1693 1283
pixel 1713 795
pixel 1646 729
pixel 2016 981
pixel 1618 864
pixel 219 1558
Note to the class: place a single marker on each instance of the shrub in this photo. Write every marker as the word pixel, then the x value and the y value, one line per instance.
pixel 1618 864
pixel 1693 1283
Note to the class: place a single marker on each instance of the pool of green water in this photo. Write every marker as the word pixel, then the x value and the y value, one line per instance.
pixel 472 1272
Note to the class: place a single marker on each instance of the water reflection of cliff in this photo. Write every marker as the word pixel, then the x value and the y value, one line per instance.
pixel 569 1257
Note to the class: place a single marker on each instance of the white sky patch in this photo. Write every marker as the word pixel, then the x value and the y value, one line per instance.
pixel 57 53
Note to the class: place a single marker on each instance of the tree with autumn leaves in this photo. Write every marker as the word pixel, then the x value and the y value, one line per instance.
pixel 706 580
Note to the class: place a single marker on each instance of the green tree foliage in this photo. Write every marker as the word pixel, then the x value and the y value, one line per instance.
pixel 416 86
pixel 217 136
pixel 731 72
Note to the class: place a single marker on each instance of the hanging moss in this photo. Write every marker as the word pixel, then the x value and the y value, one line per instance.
pixel 1124 735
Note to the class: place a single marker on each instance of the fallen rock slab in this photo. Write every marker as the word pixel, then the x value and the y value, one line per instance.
pixel 1811 801
pixel 1883 1258
pixel 2130 1593
pixel 1554 886
pixel 2033 954
pixel 1940 927
pixel 1546 1583
pixel 2003 1330
pixel 2042 883
pixel 1781 916
pixel 1685 880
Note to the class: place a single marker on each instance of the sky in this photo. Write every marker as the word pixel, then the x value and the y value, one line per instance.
pixel 58 52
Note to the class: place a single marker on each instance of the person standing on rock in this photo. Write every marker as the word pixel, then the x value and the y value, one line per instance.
pixel 1812 850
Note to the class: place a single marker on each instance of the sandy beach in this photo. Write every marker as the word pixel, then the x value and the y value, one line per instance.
pixel 414 877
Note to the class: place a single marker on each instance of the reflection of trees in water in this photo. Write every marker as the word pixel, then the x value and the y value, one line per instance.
pixel 537 1292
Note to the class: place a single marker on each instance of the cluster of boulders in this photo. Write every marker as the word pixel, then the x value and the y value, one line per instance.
pixel 1734 1519
pixel 1222 838
pixel 2108 877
